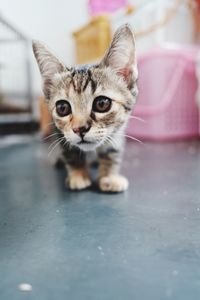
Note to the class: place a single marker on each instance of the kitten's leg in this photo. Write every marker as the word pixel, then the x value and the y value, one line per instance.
pixel 78 176
pixel 109 165
pixel 78 179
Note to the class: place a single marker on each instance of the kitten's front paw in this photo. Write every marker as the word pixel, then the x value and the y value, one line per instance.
pixel 78 180
pixel 113 183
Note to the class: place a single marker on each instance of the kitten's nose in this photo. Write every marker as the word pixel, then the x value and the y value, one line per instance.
pixel 82 130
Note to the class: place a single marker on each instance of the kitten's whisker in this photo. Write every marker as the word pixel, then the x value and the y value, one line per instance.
pixel 106 140
pixel 66 142
pixel 52 149
pixel 113 144
pixel 49 136
pixel 112 141
pixel 133 138
pixel 130 137
pixel 54 142
pixel 137 118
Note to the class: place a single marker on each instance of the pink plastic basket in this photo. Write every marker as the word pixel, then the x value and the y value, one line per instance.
pixel 166 101
pixel 97 7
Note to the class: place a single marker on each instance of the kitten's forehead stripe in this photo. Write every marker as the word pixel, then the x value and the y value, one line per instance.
pixel 85 84
pixel 73 83
pixel 81 77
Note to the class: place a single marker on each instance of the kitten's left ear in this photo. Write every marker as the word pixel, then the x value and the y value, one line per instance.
pixel 121 55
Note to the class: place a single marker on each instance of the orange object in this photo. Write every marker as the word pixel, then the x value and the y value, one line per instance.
pixel 92 40
pixel 45 118
pixel 194 7
pixel 130 9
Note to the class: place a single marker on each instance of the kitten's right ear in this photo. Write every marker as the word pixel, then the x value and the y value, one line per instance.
pixel 48 63
pixel 120 57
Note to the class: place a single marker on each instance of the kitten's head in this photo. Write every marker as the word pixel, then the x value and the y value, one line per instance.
pixel 90 104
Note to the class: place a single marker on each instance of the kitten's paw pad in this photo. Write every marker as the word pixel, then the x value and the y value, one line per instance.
pixel 78 181
pixel 113 183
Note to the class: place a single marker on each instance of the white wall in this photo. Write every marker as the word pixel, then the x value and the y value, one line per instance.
pixel 50 21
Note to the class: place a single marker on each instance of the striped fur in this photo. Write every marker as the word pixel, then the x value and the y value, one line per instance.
pixel 115 78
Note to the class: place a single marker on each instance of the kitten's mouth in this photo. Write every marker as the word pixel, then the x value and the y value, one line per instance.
pixel 85 142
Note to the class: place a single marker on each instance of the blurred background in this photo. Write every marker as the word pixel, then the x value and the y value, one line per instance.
pixel 141 244
pixel 167 41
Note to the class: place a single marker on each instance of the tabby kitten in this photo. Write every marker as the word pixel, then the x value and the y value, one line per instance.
pixel 90 106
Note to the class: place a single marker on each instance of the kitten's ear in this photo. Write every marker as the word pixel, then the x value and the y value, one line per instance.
pixel 48 63
pixel 121 55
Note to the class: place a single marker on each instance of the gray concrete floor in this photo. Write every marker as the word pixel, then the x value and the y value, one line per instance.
pixel 143 244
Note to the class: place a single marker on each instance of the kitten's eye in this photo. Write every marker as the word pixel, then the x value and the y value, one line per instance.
pixel 101 104
pixel 63 108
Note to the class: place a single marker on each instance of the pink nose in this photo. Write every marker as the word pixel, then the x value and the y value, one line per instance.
pixel 82 130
